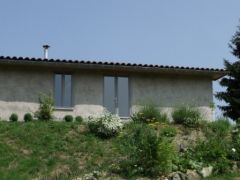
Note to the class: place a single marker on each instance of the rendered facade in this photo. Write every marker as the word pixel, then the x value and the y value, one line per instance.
pixel 85 88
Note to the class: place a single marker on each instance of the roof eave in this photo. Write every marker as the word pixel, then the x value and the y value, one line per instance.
pixel 127 67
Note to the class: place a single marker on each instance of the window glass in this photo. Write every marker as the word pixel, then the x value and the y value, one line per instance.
pixel 109 94
pixel 58 90
pixel 67 91
pixel 63 90
pixel 116 95
pixel 123 96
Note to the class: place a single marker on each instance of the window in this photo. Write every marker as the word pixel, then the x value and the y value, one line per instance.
pixel 116 95
pixel 63 90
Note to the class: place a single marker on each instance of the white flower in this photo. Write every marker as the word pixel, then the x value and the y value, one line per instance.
pixel 106 124
pixel 233 150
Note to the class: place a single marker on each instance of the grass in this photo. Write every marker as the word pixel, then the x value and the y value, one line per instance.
pixel 65 150
pixel 51 149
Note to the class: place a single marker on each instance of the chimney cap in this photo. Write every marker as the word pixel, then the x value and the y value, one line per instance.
pixel 46 46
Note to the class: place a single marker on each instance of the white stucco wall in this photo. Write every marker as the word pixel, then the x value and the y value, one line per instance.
pixel 20 89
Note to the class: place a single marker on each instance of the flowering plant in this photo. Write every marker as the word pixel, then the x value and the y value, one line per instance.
pixel 106 125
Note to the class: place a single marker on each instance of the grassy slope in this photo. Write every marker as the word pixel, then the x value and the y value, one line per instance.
pixel 52 149
pixel 58 150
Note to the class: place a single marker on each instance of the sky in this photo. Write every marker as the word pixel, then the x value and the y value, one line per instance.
pixel 168 32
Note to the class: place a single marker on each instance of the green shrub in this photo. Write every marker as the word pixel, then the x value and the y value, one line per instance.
pixel 213 151
pixel 68 118
pixel 45 111
pixel 13 117
pixel 187 116
pixel 145 153
pixel 168 131
pixel 105 126
pixel 235 134
pixel 28 117
pixel 166 156
pixel 220 127
pixel 148 114
pixel 185 161
pixel 79 119
pixel 163 118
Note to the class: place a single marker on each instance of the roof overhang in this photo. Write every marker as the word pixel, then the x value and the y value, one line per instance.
pixel 214 74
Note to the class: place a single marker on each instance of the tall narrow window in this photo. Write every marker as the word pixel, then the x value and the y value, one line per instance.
pixel 63 90
pixel 123 96
pixel 109 94
pixel 116 95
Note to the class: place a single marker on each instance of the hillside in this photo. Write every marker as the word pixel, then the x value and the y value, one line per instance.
pixel 51 149
pixel 67 150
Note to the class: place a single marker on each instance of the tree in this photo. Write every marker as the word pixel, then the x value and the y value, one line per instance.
pixel 232 81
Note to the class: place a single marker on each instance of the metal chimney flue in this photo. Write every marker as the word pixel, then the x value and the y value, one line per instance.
pixel 45 51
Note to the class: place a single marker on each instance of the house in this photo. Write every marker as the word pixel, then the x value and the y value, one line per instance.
pixel 86 87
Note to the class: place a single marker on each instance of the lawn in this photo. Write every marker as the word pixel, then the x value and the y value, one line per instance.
pixel 51 149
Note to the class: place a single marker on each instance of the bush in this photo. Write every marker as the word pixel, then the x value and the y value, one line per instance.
pixel 145 153
pixel 213 151
pixel 220 127
pixel 187 116
pixel 13 117
pixel 45 111
pixel 166 156
pixel 68 118
pixel 235 134
pixel 149 114
pixel 105 126
pixel 28 117
pixel 168 131
pixel 79 119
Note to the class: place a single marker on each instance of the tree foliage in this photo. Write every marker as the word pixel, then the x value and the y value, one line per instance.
pixel 232 81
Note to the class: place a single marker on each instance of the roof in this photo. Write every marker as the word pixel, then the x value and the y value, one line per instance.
pixel 220 72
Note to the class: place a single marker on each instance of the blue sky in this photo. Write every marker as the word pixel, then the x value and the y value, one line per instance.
pixel 168 32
